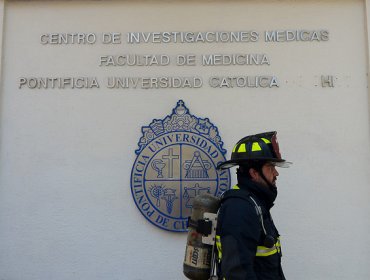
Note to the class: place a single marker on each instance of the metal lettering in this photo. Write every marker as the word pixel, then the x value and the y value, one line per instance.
pixel 244 81
pixel 188 59
pixel 67 38
pixel 111 38
pixel 327 81
pixel 134 60
pixel 59 83
pixel 22 82
pixel 234 59
pixel 296 35
pixel 154 82
pixel 192 37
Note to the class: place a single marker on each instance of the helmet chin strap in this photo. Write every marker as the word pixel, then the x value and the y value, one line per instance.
pixel 271 186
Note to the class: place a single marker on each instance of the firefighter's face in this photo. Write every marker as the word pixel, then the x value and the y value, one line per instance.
pixel 270 173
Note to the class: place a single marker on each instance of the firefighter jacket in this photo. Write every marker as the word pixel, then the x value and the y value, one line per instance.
pixel 240 240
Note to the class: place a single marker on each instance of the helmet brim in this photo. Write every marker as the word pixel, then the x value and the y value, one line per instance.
pixel 277 162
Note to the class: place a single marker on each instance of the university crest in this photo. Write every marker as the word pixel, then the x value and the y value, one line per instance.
pixel 176 160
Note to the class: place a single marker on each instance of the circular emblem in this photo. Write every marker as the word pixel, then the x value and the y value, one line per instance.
pixel 176 161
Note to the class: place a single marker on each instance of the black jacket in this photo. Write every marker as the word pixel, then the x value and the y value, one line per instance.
pixel 240 235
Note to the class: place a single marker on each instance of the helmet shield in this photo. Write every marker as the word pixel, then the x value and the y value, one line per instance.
pixel 283 164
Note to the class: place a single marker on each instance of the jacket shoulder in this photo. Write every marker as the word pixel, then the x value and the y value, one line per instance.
pixel 237 207
pixel 237 194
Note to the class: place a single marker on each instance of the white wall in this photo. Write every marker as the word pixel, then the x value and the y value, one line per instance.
pixel 1 30
pixel 66 210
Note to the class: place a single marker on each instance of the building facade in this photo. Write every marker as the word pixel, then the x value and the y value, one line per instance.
pixel 82 81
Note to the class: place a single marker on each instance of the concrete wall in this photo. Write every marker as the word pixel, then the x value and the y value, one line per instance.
pixel 66 210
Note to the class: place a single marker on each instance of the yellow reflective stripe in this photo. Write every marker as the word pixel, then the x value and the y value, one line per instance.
pixel 242 148
pixel 218 246
pixel 263 251
pixel 234 148
pixel 235 187
pixel 266 140
pixel 278 245
pixel 256 147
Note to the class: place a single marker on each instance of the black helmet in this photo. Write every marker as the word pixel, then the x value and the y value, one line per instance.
pixel 256 148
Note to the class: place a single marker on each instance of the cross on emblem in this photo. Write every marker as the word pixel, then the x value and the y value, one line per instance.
pixel 170 158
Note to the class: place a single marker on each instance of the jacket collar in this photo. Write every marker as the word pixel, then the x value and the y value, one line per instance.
pixel 263 193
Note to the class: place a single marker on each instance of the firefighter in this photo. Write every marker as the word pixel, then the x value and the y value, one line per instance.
pixel 247 241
